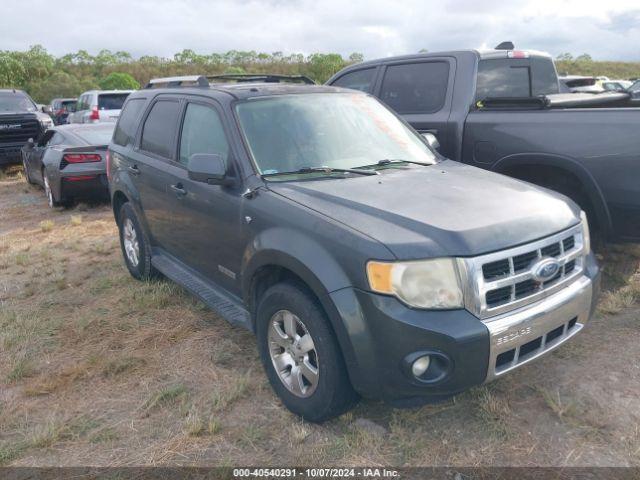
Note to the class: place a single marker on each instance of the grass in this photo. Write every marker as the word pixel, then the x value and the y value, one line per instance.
pixel 167 396
pixel 98 368
pixel 237 389
pixel 46 225
pixel 23 368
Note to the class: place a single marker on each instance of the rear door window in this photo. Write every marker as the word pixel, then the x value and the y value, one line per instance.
pixel 359 80
pixel 416 87
pixel 159 128
pixel 202 132
pixel 111 101
pixel 128 122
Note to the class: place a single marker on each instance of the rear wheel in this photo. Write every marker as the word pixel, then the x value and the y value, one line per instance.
pixel 51 200
pixel 301 355
pixel 135 248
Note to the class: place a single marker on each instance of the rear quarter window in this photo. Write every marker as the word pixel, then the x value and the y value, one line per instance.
pixel 128 122
pixel 415 87
pixel 159 129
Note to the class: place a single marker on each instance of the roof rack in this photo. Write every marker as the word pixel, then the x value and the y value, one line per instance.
pixel 186 80
pixel 263 77
pixel 203 80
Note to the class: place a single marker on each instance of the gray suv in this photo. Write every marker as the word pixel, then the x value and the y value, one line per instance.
pixel 365 262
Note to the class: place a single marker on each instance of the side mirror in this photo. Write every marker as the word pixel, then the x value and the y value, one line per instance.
pixel 207 168
pixel 432 140
pixel 46 109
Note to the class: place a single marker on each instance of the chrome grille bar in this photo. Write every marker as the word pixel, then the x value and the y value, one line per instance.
pixel 478 286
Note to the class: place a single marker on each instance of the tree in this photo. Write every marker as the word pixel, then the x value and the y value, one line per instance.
pixel 119 81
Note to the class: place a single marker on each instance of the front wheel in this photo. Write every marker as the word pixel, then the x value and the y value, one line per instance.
pixel 135 249
pixel 27 176
pixel 301 355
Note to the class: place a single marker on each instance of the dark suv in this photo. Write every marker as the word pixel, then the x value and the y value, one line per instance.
pixel 364 262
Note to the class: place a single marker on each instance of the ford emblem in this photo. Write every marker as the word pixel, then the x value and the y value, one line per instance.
pixel 545 269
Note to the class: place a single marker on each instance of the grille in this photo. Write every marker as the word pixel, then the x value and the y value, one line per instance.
pixel 511 358
pixel 503 281
pixel 29 128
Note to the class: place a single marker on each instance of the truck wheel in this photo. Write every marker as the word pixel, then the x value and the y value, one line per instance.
pixel 300 354
pixel 135 249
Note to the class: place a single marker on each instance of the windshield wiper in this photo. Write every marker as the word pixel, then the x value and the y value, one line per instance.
pixel 305 170
pixel 388 161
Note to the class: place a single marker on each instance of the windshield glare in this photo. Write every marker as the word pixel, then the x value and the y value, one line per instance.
pixel 290 132
pixel 16 103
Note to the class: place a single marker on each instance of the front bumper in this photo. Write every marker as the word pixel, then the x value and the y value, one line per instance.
pixel 11 153
pixel 385 336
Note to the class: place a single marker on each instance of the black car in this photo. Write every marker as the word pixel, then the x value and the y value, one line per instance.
pixel 20 120
pixel 365 262
pixel 69 162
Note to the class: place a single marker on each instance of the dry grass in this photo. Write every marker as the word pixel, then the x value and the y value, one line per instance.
pixel 97 368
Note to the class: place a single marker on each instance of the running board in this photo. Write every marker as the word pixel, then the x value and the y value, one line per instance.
pixel 215 298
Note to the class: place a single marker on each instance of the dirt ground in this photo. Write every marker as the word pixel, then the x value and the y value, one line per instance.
pixel 99 369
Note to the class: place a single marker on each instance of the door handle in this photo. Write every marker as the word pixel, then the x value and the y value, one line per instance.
pixel 134 170
pixel 179 190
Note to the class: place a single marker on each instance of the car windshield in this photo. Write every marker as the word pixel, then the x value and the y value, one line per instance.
pixel 96 136
pixel 336 130
pixel 14 102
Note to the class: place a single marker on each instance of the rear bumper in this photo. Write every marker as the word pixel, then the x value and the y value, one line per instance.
pixel 84 185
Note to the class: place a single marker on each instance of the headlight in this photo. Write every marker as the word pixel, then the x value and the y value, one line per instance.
pixel 46 123
pixel 586 239
pixel 422 284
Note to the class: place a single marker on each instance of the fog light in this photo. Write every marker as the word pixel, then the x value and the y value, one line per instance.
pixel 420 366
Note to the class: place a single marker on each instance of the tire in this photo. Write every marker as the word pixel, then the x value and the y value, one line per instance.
pixel 51 199
pixel 332 393
pixel 135 247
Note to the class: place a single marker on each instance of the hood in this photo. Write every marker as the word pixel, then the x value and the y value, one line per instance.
pixel 447 209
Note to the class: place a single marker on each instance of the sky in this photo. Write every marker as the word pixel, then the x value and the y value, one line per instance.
pixel 375 28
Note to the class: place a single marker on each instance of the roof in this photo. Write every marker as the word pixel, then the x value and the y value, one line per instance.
pixel 249 90
pixel 107 91
pixel 481 53
pixel 10 90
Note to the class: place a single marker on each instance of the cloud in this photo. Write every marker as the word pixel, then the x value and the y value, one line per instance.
pixel 373 27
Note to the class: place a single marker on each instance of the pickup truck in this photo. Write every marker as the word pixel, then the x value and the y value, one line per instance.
pixel 502 110
pixel 364 261
pixel 20 120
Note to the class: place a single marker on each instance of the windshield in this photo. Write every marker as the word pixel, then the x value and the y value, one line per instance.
pixel 291 132
pixel 96 136
pixel 15 102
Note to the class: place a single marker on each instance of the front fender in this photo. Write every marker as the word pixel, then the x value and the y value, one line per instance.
pixel 568 164
pixel 314 264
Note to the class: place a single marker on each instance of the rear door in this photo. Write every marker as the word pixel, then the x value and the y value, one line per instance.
pixel 110 105
pixel 421 92
pixel 150 166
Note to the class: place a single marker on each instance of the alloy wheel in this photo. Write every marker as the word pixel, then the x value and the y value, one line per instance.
pixel 47 191
pixel 130 241
pixel 293 353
